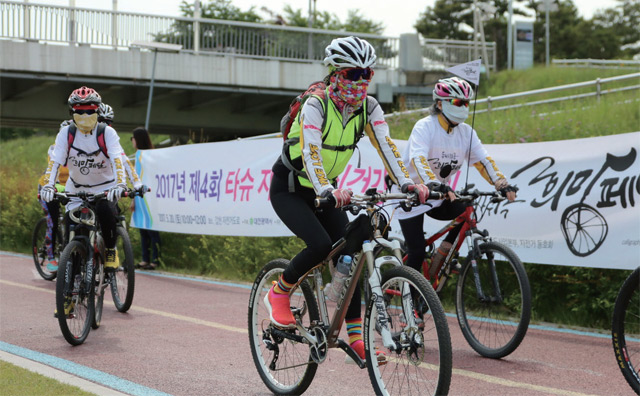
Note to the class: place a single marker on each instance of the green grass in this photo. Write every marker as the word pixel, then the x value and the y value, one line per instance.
pixel 16 381
pixel 570 119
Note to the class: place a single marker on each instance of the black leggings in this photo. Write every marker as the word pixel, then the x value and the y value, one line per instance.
pixel 319 229
pixel 106 213
pixel 413 231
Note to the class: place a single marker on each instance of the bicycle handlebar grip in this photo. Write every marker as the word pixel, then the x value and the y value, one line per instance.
pixel 323 203
pixel 436 195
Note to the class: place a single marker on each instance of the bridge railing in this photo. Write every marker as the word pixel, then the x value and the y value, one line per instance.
pixel 46 23
pixel 454 52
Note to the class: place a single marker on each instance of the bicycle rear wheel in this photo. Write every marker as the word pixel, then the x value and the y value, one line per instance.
pixel 495 317
pixel 285 365
pixel 625 327
pixel 74 301
pixel 421 364
pixel 123 279
pixel 39 248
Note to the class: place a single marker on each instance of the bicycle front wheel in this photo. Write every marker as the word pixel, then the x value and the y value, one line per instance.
pixel 74 301
pixel 123 279
pixel 285 365
pixel 98 281
pixel 39 246
pixel 421 362
pixel 493 301
pixel 625 327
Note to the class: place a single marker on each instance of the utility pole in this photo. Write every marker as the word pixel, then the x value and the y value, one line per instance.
pixel 510 36
pixel 547 5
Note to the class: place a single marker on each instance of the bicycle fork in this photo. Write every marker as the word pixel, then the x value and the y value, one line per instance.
pixel 475 254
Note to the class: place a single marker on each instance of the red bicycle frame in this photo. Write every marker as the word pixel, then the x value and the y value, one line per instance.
pixel 469 222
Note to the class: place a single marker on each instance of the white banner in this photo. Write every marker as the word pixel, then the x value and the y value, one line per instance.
pixel 578 204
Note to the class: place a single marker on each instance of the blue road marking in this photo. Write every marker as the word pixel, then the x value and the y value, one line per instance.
pixel 78 370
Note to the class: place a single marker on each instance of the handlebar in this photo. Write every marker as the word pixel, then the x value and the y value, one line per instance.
pixel 469 196
pixel 127 193
pixel 370 198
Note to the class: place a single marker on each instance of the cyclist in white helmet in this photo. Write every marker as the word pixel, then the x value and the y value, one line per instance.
pixel 105 114
pixel 320 142
pixel 438 147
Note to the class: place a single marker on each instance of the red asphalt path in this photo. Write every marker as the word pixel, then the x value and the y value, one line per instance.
pixel 187 337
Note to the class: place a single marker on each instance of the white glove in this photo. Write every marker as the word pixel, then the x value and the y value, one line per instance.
pixel 47 193
pixel 116 192
pixel 137 185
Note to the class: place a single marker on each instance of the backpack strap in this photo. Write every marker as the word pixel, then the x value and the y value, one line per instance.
pixel 101 139
pixel 71 136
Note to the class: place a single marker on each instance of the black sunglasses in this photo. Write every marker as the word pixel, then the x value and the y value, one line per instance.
pixel 85 111
pixel 356 73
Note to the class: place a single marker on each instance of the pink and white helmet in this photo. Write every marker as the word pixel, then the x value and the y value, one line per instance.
pixel 452 88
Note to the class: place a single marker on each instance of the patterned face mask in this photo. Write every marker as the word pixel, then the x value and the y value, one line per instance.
pixel 350 92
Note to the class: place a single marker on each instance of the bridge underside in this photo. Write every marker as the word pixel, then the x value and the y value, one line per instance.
pixel 205 112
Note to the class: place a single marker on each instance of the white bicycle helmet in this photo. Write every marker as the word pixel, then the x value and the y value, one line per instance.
pixel 452 88
pixel 349 52
pixel 105 112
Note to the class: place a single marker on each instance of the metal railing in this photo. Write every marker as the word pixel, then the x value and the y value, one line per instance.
pixel 598 63
pixel 447 53
pixel 37 22
pixel 597 84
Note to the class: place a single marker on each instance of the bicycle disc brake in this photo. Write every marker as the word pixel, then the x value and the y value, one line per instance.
pixel 319 349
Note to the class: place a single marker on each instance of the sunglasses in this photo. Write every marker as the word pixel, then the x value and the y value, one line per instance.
pixel 356 73
pixel 84 111
pixel 459 102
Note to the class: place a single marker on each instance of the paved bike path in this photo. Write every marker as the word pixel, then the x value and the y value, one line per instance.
pixel 187 336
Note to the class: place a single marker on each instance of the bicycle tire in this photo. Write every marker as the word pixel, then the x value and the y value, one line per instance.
pixel 276 367
pixel 76 325
pixel 494 327
pixel 98 273
pixel 39 248
pixel 123 280
pixel 626 324
pixel 424 365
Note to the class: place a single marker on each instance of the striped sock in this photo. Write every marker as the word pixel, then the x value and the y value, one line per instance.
pixel 354 329
pixel 282 287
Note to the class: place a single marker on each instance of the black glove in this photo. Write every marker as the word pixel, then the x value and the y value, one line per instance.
pixel 508 188
pixel 439 187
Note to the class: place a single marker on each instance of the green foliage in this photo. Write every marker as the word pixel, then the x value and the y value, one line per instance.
pixel 16 381
pixel 599 38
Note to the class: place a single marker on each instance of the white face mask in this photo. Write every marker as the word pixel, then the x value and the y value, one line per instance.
pixel 454 113
pixel 85 122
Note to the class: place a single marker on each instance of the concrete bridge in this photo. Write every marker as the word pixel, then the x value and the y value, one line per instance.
pixel 230 79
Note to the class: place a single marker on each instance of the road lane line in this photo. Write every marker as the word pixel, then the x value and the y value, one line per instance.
pixel 465 373
pixel 190 319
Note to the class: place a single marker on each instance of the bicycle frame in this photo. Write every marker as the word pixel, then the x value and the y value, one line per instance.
pixel 333 325
pixel 469 227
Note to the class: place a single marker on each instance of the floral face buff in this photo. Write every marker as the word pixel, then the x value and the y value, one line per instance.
pixel 351 92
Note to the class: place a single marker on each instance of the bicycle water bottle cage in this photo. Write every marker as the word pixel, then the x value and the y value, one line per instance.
pixel 83 216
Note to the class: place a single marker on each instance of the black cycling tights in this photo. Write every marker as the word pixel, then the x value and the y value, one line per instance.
pixel 319 229
pixel 106 213
pixel 413 231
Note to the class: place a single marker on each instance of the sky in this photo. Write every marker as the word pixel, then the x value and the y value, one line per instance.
pixel 397 18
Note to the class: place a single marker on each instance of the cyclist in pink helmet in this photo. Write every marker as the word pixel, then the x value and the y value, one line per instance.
pixel 437 148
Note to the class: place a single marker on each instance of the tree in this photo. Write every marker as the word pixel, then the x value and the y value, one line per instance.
pixel 211 36
pixel 624 21
pixel 448 19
